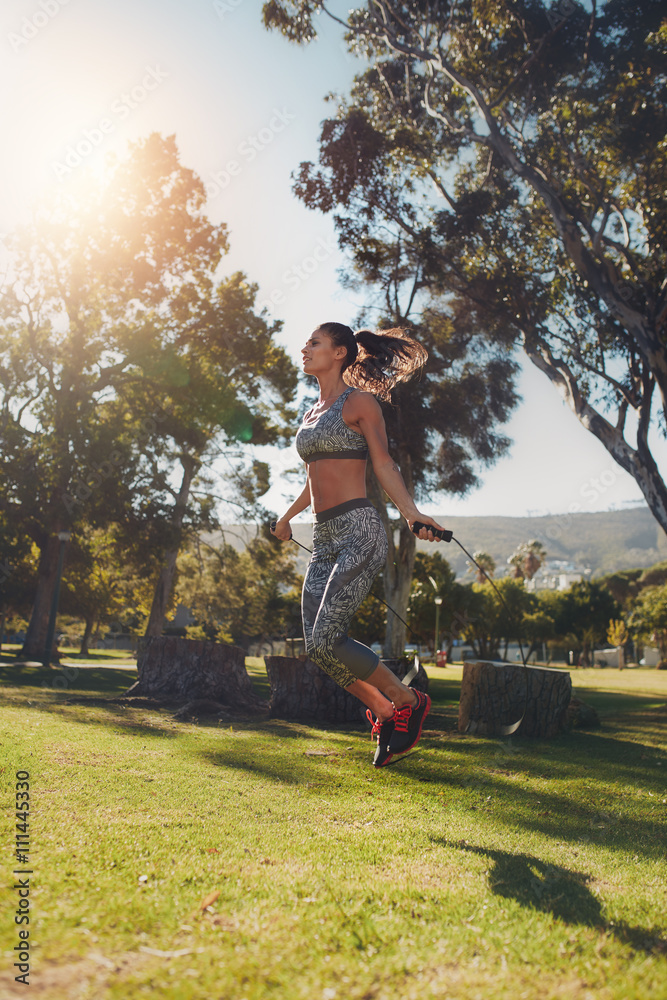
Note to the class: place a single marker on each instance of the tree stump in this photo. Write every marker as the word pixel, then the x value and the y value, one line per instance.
pixel 494 695
pixel 301 690
pixel 186 670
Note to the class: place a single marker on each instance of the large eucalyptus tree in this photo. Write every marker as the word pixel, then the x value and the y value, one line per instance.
pixel 518 147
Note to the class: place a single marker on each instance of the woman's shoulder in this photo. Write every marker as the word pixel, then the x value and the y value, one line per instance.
pixel 361 403
pixel 361 396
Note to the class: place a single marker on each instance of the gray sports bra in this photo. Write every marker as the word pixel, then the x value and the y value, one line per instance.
pixel 329 436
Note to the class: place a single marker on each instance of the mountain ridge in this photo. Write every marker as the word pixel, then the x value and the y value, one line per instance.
pixel 602 541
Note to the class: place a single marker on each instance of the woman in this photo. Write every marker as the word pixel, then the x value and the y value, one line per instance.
pixel 337 435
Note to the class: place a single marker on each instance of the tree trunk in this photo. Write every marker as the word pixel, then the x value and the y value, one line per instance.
pixel 184 670
pixel 87 632
pixel 35 640
pixel 639 463
pixel 494 695
pixel 3 619
pixel 165 581
pixel 398 569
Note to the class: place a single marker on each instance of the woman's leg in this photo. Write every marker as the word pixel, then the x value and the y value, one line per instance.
pixel 348 552
pixel 351 549
pixel 373 698
pixel 315 583
pixel 381 689
pixel 357 544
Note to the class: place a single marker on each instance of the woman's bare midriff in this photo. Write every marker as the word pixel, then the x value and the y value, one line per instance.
pixel 334 480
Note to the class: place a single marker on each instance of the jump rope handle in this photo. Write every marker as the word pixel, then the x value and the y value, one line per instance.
pixel 442 533
pixel 273 524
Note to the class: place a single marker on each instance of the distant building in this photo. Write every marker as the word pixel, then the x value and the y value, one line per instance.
pixel 556 574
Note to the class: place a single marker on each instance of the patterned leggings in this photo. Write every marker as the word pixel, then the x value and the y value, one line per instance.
pixel 349 549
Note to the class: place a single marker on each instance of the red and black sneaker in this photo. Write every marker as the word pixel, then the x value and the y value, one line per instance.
pixel 408 722
pixel 383 731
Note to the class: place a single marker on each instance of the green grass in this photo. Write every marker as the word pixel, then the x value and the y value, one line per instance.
pixel 71 654
pixel 476 868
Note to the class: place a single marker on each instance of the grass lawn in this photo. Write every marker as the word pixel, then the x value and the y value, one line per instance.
pixel 267 859
pixel 70 655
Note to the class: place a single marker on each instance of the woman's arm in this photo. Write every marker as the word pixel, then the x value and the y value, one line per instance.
pixel 282 529
pixel 367 416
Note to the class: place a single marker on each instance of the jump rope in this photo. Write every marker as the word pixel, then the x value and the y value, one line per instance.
pixel 447 536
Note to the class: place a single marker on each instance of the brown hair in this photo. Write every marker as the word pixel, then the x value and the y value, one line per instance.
pixel 376 361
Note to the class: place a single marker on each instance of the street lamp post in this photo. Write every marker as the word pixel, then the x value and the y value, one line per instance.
pixel 63 537
pixel 438 602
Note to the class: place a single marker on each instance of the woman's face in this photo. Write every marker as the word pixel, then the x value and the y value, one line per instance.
pixel 320 355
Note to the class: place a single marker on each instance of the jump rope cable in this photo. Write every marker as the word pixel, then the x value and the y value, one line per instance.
pixel 447 536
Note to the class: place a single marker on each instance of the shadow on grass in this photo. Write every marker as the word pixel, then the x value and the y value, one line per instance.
pixel 618 763
pixel 559 815
pixel 560 891
pixel 111 681
pixel 51 689
pixel 611 702
pixel 590 786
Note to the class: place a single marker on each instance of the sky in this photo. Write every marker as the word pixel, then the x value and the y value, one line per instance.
pixel 82 78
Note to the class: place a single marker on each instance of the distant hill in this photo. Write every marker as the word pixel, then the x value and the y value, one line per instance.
pixel 602 542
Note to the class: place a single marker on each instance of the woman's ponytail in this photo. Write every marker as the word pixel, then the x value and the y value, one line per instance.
pixel 377 361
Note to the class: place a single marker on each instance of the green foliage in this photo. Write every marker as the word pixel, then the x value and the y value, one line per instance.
pixel 18 568
pixel 433 576
pixel 443 427
pixel 586 605
pixel 494 618
pixel 123 354
pixel 617 632
pixel 538 626
pixel 648 620
pixel 207 633
pixel 246 595
pixel 582 614
pixel 623 585
pixel 654 576
pixel 102 582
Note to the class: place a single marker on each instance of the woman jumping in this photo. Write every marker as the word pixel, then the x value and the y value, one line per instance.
pixel 337 435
